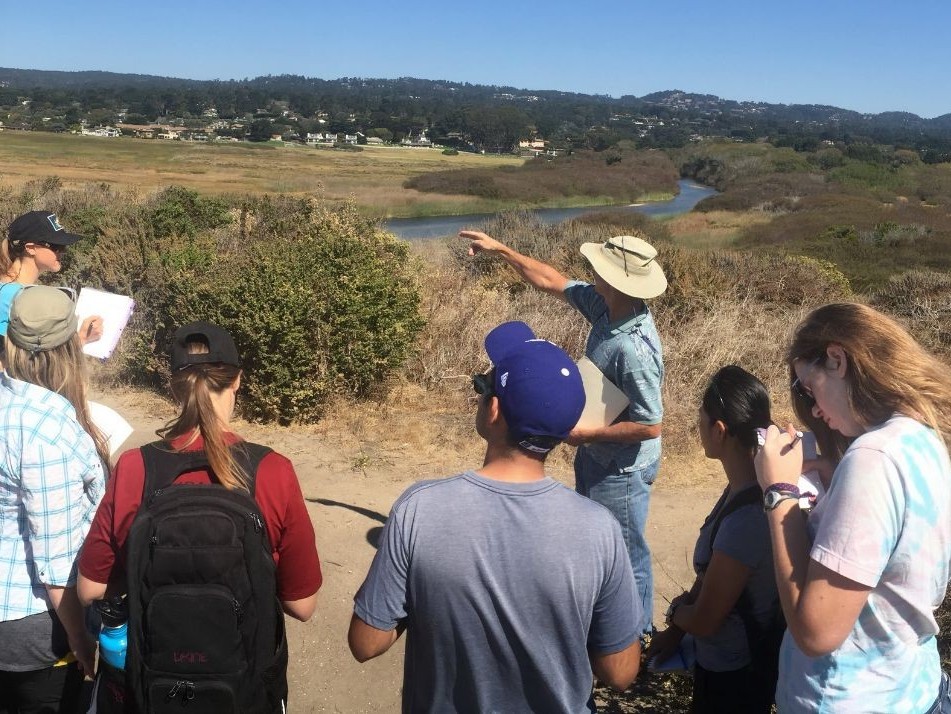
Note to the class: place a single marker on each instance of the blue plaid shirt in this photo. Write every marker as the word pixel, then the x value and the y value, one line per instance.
pixel 51 481
pixel 630 355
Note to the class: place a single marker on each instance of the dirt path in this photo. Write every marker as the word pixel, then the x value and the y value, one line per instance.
pixel 348 495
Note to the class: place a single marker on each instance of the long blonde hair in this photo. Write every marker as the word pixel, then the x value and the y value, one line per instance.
pixel 62 370
pixel 192 388
pixel 888 371
pixel 9 255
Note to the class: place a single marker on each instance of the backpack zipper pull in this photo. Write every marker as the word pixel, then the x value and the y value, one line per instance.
pixel 238 611
pixel 189 693
pixel 173 692
pixel 258 523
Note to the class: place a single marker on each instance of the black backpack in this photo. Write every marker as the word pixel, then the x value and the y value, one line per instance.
pixel 206 629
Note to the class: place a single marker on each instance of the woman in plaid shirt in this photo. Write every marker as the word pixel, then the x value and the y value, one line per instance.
pixel 51 481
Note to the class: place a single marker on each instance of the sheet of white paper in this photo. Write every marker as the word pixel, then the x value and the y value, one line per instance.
pixel 115 311
pixel 603 400
pixel 111 424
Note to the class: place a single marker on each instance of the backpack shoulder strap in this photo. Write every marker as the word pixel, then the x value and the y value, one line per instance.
pixel 757 636
pixel 164 465
pixel 249 457
pixel 746 497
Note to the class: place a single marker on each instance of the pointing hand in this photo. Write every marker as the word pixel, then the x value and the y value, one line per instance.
pixel 481 241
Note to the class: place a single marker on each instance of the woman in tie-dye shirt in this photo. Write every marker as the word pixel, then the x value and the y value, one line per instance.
pixel 861 577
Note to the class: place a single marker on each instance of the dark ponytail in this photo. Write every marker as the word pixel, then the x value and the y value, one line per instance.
pixel 740 401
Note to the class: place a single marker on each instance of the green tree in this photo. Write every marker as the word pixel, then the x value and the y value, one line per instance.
pixel 260 130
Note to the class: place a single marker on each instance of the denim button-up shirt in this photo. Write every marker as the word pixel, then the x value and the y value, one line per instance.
pixel 629 353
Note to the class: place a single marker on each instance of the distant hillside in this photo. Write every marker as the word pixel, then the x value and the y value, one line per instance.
pixel 451 113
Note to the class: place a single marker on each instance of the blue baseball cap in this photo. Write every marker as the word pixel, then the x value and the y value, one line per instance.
pixel 537 384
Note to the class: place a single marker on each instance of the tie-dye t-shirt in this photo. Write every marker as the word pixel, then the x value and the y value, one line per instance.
pixel 884 523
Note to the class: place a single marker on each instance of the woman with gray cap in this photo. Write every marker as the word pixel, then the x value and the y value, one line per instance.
pixel 51 481
pixel 34 244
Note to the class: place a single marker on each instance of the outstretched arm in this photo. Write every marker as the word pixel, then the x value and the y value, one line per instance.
pixel 534 272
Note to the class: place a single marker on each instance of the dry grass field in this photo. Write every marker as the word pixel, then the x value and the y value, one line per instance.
pixel 373 177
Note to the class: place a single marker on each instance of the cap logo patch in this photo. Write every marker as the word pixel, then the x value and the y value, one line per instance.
pixel 504 379
pixel 54 222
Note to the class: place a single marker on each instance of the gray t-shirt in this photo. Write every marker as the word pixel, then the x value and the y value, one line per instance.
pixel 32 642
pixel 504 588
pixel 744 536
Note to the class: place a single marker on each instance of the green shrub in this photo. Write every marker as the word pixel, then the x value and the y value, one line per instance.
pixel 320 301
pixel 180 211
pixel 450 151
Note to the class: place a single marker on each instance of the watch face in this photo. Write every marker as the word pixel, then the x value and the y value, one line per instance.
pixel 774 498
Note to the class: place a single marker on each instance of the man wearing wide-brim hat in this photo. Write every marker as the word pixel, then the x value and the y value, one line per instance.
pixel 616 464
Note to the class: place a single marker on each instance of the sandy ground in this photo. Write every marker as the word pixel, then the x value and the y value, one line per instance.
pixel 349 488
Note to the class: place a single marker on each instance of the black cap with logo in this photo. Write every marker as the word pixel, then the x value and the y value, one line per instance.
pixel 39 227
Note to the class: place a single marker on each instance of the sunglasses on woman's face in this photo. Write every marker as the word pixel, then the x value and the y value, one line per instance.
pixel 802 394
pixel 53 247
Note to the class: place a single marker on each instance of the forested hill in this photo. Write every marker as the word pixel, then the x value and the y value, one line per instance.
pixel 39 99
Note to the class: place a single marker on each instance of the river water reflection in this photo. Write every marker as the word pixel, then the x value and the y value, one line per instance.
pixel 437 226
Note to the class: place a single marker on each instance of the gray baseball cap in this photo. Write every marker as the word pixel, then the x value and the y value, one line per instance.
pixel 42 318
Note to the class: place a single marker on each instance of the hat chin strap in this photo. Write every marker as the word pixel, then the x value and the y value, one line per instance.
pixel 627 251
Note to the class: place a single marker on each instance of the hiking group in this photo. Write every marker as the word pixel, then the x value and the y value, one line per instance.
pixel 513 591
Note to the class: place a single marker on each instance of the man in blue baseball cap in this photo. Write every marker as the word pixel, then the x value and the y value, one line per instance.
pixel 511 587
pixel 616 463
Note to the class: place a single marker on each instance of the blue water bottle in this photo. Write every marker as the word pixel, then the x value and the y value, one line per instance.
pixel 113 637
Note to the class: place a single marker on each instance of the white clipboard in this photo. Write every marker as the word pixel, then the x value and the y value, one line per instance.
pixel 604 401
pixel 115 311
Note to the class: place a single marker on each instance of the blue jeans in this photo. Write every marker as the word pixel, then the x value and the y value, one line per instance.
pixel 627 496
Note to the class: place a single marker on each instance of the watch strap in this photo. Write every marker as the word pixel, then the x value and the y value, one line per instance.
pixel 782 488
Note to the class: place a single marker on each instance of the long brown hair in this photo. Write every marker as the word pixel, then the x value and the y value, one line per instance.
pixel 192 388
pixel 888 371
pixel 62 370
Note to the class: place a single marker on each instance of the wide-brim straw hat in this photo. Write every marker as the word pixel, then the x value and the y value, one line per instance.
pixel 627 264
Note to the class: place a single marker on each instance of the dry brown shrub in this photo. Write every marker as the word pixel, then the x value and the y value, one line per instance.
pixel 583 173
pixel 698 279
pixel 722 308
pixel 922 301
pixel 774 193
pixel 555 244
pixel 729 331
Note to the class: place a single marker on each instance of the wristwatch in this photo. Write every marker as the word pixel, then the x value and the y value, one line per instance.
pixel 779 492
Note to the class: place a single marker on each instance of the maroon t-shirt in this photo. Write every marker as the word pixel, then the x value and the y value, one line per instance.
pixel 277 493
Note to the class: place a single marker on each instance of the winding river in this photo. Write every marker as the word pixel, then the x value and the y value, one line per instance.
pixel 690 195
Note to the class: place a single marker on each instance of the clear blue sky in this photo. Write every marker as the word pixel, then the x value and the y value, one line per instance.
pixel 870 56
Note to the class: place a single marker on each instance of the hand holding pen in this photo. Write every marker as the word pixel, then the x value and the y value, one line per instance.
pixel 779 458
